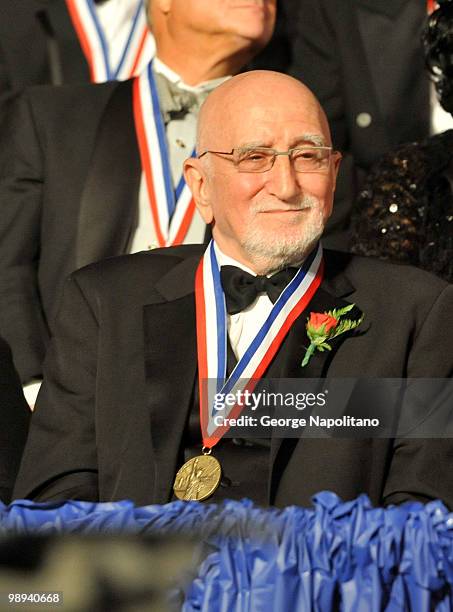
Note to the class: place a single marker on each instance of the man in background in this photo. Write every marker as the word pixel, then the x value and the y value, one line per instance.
pixel 70 41
pixel 96 170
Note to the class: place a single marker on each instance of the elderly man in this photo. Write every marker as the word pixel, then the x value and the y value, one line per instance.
pixel 96 170
pixel 119 414
pixel 70 41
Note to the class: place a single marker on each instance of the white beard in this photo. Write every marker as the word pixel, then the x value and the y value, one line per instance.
pixel 272 253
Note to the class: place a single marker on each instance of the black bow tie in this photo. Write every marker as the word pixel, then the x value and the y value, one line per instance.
pixel 242 288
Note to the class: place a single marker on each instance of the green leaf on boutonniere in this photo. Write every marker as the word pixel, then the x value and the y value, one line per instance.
pixel 326 326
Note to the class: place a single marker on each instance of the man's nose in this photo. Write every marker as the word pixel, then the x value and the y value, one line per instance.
pixel 282 180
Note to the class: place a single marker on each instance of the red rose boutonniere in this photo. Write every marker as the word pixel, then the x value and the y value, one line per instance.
pixel 324 326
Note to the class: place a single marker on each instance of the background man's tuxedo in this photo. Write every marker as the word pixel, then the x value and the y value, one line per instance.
pixel 14 420
pixel 38 45
pixel 121 371
pixel 364 61
pixel 69 198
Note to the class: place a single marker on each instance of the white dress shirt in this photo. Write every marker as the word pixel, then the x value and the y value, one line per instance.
pixel 116 18
pixel 244 326
pixel 181 136
pixel 440 119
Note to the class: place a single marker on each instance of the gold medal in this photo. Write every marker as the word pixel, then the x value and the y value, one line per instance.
pixel 198 478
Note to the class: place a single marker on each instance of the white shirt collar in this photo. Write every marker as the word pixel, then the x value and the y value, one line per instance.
pixel 173 77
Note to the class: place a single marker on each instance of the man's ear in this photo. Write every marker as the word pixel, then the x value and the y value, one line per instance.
pixel 197 181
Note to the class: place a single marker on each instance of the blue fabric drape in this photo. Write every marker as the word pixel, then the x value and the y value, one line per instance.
pixel 336 555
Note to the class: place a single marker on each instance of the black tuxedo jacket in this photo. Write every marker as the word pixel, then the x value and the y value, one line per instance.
pixel 38 45
pixel 68 196
pixel 364 61
pixel 122 366
pixel 365 56
pixel 14 420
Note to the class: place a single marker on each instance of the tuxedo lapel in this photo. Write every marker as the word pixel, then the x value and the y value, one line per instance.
pixel 330 295
pixel 66 56
pixel 386 30
pixel 354 57
pixel 170 369
pixel 390 9
pixel 109 202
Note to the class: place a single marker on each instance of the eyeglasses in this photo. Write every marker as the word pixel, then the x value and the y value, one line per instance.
pixel 261 159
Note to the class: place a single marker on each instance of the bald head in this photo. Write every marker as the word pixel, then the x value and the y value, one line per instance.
pixel 259 93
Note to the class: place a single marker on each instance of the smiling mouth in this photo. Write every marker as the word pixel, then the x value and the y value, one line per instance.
pixel 286 210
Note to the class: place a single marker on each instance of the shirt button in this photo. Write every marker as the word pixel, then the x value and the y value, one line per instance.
pixel 363 120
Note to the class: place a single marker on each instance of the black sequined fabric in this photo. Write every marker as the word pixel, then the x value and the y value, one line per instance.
pixel 404 212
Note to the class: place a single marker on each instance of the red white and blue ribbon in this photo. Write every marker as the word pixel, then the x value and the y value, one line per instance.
pixel 212 336
pixel 139 46
pixel 172 209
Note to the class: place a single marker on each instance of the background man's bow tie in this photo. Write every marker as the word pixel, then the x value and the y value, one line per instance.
pixel 175 102
pixel 241 288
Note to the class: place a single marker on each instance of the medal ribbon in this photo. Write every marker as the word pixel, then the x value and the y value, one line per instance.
pixel 138 48
pixel 172 210
pixel 212 346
